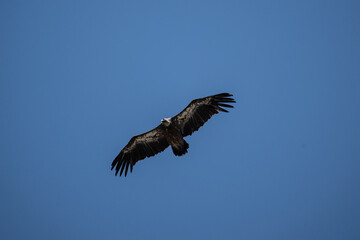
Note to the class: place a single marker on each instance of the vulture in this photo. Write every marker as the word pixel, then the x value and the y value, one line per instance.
pixel 171 131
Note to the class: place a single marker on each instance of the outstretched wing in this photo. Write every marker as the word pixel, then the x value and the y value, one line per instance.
pixel 199 111
pixel 139 147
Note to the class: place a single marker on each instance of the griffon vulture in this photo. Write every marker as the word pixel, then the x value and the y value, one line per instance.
pixel 171 131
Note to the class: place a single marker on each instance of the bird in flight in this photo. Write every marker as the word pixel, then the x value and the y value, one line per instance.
pixel 171 131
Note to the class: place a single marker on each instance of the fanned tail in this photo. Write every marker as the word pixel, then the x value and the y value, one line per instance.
pixel 180 149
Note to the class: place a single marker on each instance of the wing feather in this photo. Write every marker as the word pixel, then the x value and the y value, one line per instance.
pixel 200 111
pixel 139 147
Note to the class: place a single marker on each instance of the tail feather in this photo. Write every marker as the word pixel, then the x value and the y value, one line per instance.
pixel 180 149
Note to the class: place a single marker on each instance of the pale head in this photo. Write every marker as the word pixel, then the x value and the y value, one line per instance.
pixel 166 121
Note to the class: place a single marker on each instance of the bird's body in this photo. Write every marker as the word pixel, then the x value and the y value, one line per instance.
pixel 175 138
pixel 171 132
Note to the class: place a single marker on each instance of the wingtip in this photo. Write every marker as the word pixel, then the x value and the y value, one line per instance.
pixel 223 95
pixel 127 168
pixel 122 168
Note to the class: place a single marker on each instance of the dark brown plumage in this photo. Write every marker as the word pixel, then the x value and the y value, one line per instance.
pixel 171 132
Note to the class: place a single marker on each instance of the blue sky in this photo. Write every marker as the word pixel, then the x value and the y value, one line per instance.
pixel 80 78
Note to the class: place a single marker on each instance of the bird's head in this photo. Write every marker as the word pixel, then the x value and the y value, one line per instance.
pixel 165 121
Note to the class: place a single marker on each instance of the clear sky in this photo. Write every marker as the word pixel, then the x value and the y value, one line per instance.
pixel 80 78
